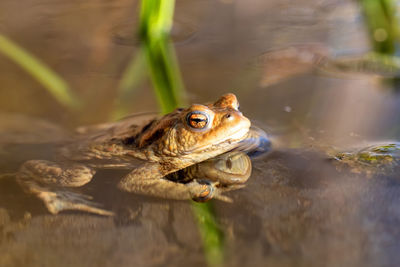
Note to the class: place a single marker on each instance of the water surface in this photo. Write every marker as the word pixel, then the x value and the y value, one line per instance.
pixel 297 208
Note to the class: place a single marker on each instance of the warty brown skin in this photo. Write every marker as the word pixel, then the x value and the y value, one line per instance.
pixel 160 147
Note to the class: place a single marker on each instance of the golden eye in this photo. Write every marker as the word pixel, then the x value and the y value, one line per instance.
pixel 197 120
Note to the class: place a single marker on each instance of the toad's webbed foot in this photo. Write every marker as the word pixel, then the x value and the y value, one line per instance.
pixel 201 190
pixel 57 201
pixel 210 190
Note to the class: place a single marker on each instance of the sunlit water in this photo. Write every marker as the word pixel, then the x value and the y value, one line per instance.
pixel 298 208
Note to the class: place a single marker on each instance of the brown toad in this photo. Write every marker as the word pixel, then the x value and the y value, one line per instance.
pixel 161 146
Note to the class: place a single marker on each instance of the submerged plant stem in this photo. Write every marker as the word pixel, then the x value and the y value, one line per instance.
pixel 212 236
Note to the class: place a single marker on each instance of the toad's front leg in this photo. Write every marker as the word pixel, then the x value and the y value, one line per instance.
pixel 47 179
pixel 149 180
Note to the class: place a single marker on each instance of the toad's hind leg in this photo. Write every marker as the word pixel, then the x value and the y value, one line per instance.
pixel 46 179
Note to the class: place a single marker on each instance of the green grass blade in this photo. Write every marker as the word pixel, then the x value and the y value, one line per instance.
pixel 55 85
pixel 381 19
pixel 133 76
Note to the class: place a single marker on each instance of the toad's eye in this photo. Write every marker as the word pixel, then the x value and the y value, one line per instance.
pixel 198 120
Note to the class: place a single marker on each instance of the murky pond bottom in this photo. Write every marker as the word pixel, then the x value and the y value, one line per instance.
pixel 298 208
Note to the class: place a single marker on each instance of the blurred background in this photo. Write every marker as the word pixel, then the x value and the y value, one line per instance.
pixel 222 46
pixel 312 73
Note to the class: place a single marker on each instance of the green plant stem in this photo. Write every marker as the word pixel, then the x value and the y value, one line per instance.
pixel 155 25
pixel 164 74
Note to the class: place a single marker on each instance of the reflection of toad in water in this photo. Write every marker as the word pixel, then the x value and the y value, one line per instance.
pixel 228 171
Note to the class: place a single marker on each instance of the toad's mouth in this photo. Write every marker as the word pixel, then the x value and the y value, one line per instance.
pixel 223 145
pixel 236 137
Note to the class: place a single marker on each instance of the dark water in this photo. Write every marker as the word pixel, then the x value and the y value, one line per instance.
pixel 297 208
